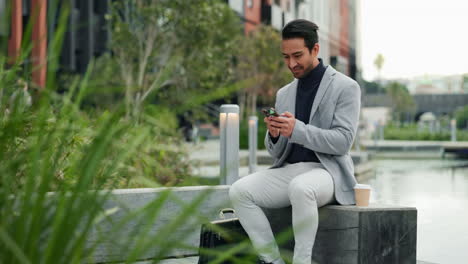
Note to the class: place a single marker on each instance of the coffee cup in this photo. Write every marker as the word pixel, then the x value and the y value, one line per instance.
pixel 362 194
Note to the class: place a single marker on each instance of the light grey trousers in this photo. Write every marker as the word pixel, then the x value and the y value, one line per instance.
pixel 305 186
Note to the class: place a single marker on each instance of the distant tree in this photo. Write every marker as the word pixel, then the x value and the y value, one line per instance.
pixel 403 105
pixel 379 62
pixel 373 87
pixel 465 83
pixel 170 52
pixel 461 116
pixel 259 60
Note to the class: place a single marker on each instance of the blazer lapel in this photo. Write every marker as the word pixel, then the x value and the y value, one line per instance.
pixel 324 84
pixel 292 97
pixel 291 104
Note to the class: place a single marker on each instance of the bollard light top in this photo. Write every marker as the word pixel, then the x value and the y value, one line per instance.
pixel 254 118
pixel 229 108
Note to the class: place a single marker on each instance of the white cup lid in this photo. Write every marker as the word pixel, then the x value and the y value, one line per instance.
pixel 361 186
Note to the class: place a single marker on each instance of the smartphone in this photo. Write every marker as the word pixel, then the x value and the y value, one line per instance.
pixel 270 112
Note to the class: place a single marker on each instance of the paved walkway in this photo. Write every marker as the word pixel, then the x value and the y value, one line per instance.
pixel 208 156
pixel 414 144
pixel 206 153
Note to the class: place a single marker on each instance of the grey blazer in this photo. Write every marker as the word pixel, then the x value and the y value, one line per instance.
pixel 330 132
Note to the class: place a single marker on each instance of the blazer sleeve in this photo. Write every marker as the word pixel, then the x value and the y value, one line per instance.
pixel 276 149
pixel 339 138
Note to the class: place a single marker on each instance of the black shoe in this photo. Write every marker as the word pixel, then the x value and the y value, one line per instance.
pixel 263 262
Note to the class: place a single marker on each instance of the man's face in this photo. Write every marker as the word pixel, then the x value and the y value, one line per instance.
pixel 297 56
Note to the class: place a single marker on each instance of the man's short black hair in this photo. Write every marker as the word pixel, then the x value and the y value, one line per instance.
pixel 301 28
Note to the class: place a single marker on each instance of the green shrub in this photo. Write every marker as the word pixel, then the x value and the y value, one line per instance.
pixel 410 132
pixel 244 134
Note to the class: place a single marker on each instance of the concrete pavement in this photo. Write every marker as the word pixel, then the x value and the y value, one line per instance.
pixel 206 154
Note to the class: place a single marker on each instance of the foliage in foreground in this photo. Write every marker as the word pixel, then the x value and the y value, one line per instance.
pixel 48 144
pixel 38 226
pixel 60 159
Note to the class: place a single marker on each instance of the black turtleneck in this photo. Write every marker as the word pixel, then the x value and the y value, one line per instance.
pixel 305 95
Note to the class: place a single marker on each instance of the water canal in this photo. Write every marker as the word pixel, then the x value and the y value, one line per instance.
pixel 438 188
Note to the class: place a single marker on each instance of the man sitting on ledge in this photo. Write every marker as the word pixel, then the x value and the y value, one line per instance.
pixel 310 143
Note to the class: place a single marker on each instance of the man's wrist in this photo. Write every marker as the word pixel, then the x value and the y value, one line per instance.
pixel 272 138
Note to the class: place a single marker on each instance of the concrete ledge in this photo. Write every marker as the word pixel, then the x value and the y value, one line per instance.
pixel 350 234
pixel 347 234
pixel 188 260
pixel 124 202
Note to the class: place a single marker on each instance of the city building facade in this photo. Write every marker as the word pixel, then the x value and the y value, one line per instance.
pixel 81 43
pixel 337 21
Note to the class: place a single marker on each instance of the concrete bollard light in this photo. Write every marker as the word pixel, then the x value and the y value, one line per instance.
pixel 453 128
pixel 253 128
pixel 381 130
pixel 229 143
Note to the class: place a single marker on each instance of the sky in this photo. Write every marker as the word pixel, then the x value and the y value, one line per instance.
pixel 416 37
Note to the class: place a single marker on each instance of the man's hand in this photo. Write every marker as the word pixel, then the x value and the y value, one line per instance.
pixel 282 125
pixel 274 132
